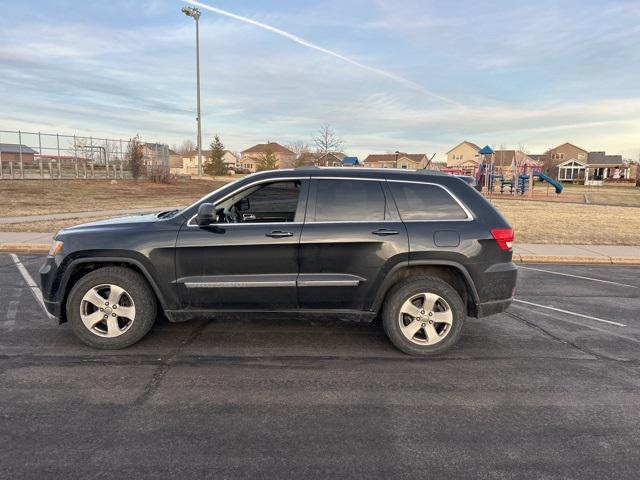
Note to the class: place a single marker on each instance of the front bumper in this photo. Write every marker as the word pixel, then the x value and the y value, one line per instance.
pixel 49 283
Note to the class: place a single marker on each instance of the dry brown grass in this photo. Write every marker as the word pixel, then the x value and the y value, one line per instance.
pixel 50 226
pixel 607 195
pixel 541 222
pixel 41 197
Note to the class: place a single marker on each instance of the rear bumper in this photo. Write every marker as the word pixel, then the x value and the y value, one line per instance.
pixel 491 308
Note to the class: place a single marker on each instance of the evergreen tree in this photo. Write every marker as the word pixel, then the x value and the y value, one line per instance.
pixel 215 162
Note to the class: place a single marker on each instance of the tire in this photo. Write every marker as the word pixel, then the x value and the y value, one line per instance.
pixel 435 333
pixel 113 331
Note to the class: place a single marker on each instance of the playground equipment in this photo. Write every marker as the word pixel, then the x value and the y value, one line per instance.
pixel 523 181
pixel 520 180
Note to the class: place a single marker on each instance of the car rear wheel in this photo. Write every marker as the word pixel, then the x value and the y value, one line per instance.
pixel 423 316
pixel 111 308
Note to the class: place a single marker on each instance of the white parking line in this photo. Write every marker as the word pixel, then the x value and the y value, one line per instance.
pixel 33 286
pixel 577 276
pixel 570 313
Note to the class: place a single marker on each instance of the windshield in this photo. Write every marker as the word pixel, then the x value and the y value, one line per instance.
pixel 229 185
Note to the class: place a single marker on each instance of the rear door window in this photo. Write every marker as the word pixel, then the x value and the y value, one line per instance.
pixel 349 200
pixel 417 201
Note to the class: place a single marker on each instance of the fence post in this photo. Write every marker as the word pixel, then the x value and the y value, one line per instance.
pixel 84 164
pixel 59 160
pixel 91 150
pixel 75 154
pixel 1 171
pixel 92 172
pixel 40 155
pixel 11 168
pixel 20 154
pixel 106 157
pixel 50 170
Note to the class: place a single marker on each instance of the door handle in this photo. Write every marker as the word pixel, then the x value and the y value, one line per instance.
pixel 384 231
pixel 279 234
pixel 250 217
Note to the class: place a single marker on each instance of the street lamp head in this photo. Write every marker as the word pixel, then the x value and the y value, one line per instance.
pixel 191 12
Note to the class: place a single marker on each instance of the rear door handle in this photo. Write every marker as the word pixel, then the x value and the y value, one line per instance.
pixel 384 231
pixel 279 234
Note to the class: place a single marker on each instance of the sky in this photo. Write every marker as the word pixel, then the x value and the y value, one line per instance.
pixel 417 76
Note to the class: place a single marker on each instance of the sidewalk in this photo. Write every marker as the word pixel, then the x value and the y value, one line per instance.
pixel 522 252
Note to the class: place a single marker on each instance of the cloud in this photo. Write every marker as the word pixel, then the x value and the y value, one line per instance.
pixel 313 46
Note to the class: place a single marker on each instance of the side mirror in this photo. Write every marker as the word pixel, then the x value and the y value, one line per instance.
pixel 206 214
pixel 244 204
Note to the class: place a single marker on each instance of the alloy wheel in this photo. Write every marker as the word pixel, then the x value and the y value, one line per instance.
pixel 107 310
pixel 425 318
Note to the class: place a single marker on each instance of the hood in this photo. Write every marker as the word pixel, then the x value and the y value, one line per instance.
pixel 118 222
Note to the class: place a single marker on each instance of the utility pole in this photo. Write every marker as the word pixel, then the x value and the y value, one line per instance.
pixel 195 14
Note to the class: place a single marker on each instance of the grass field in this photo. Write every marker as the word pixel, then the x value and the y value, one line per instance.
pixel 608 195
pixel 564 223
pixel 41 197
pixel 534 221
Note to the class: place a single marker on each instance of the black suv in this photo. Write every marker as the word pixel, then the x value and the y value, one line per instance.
pixel 422 250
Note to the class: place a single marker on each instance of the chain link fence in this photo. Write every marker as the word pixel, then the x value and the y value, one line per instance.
pixel 37 155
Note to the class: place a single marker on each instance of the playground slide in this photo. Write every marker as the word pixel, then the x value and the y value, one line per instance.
pixel 549 180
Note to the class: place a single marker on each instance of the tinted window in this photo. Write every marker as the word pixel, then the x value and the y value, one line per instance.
pixel 340 200
pixel 274 202
pixel 425 202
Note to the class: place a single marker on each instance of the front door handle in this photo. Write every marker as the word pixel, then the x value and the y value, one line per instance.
pixel 384 231
pixel 279 234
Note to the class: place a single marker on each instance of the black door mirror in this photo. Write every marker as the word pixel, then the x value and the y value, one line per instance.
pixel 206 214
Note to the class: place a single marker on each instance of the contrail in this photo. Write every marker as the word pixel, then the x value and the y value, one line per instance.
pixel 314 46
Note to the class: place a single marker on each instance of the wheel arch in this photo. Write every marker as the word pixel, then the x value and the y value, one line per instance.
pixel 452 272
pixel 81 266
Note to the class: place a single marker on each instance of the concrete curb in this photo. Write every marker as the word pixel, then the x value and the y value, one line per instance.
pixel 24 247
pixel 576 259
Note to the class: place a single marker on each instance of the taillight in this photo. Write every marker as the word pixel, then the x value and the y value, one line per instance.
pixel 504 237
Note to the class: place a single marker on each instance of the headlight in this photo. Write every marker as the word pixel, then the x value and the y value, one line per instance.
pixel 56 247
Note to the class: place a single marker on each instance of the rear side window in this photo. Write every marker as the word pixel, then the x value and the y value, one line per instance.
pixel 349 200
pixel 425 202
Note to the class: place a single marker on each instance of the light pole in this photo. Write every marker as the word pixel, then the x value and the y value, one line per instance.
pixel 397 153
pixel 195 14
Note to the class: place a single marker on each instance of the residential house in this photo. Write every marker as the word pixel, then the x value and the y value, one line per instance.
pixel 598 168
pixel 188 164
pixel 569 163
pixel 155 155
pixel 566 154
pixel 319 159
pixel 251 157
pixel 14 152
pixel 464 156
pixel 411 161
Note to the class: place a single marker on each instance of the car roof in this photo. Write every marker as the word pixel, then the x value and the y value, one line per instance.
pixel 382 173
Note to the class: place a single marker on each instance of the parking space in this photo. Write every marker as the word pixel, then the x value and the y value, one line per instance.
pixel 533 393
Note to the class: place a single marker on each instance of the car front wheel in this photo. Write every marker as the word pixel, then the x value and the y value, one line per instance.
pixel 111 308
pixel 423 316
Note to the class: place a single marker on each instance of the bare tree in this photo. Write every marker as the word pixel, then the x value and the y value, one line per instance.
pixel 301 149
pixel 327 141
pixel 186 147
pixel 135 157
pixel 267 160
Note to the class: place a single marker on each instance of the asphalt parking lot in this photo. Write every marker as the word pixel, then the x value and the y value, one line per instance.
pixel 550 389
